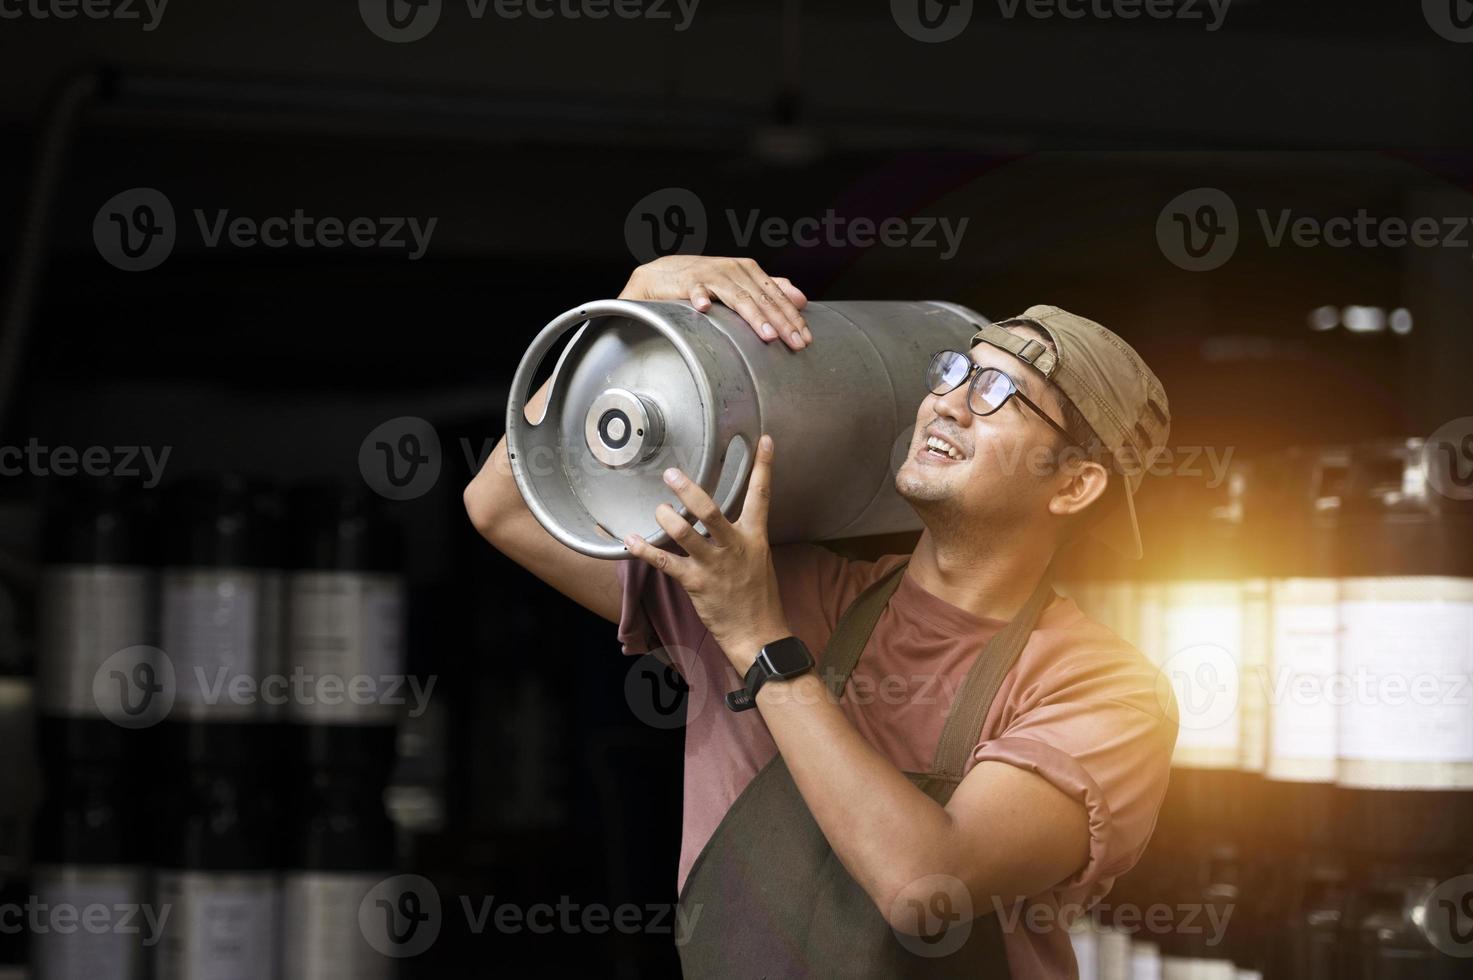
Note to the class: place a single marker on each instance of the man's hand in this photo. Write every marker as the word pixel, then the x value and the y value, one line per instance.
pixel 771 305
pixel 729 578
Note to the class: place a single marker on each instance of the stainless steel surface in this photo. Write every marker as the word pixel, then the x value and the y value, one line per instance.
pixel 644 386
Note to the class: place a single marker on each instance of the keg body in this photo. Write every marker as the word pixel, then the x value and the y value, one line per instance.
pixel 643 386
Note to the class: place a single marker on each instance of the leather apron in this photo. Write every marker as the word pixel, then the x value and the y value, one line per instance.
pixel 768 896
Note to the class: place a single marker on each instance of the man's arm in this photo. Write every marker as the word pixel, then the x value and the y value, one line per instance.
pixel 1006 833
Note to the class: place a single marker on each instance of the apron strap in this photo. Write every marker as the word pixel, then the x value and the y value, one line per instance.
pixel 853 630
pixel 965 720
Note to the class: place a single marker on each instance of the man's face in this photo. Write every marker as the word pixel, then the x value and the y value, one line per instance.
pixel 1005 473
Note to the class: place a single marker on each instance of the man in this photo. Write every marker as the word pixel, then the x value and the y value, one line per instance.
pixel 970 761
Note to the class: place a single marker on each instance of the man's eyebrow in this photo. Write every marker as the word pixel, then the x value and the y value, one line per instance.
pixel 1024 375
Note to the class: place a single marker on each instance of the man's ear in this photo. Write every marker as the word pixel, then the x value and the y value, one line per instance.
pixel 1082 482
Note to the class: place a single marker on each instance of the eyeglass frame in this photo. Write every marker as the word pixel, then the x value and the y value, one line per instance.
pixel 974 372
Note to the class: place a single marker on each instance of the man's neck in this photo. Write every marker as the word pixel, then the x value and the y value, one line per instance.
pixel 991 583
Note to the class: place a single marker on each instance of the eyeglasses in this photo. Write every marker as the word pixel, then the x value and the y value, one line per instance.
pixel 990 391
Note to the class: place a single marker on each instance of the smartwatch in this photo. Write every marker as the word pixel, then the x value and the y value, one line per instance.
pixel 778 660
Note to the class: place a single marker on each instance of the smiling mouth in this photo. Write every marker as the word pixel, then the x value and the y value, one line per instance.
pixel 938 449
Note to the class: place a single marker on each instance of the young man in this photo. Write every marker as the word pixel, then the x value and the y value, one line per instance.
pixel 926 764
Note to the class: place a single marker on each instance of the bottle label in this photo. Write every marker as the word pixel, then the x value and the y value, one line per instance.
pixel 1407 660
pixel 221 630
pixel 1145 961
pixel 321 935
pixel 86 614
pixel 1253 692
pixel 1305 658
pixel 1197 968
pixel 90 921
pixel 346 629
pixel 1202 646
pixel 222 926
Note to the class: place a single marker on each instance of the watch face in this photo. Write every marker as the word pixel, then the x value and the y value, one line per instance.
pixel 788 656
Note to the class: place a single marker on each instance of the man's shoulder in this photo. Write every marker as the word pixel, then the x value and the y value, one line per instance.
pixel 1083 657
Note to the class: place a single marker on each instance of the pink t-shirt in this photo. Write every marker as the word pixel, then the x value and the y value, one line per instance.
pixel 1080 708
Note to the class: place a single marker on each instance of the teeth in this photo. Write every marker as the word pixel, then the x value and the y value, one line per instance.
pixel 941 445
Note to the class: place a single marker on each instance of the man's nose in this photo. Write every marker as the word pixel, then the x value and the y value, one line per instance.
pixel 953 405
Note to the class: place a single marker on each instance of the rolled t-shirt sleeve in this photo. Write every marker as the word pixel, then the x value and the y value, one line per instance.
pixel 814 583
pixel 1098 733
pixel 655 612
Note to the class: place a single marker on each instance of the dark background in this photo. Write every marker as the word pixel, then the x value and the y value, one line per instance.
pixel 531 141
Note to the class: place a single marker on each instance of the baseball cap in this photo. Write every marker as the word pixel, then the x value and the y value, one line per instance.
pixel 1120 397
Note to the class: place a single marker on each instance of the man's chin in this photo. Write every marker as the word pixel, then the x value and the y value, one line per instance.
pixel 916 486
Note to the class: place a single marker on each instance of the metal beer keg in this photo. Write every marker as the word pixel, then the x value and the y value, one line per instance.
pixel 642 386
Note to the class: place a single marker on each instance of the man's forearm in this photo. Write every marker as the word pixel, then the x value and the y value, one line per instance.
pixel 882 826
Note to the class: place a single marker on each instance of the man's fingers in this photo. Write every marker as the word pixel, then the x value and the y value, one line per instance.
pixel 793 292
pixel 759 488
pixel 742 298
pixel 682 532
pixel 699 503
pixel 700 297
pixel 657 558
pixel 793 323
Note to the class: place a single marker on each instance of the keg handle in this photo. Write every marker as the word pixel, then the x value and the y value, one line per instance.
pixel 517 425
